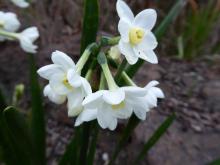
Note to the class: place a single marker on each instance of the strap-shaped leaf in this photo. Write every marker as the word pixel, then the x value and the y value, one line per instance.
pixel 72 151
pixel 159 32
pixel 3 103
pixel 37 122
pixel 155 137
pixel 15 138
pixel 132 123
pixel 92 147
pixel 90 27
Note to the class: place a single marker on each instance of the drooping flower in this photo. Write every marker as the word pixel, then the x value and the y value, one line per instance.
pixel 64 82
pixel 149 101
pixel 137 40
pixel 109 105
pixel 26 39
pixel 21 3
pixel 8 22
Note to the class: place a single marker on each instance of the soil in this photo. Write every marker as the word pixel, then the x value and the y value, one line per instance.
pixel 192 91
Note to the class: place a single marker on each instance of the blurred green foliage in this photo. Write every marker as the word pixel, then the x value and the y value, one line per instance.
pixel 197 27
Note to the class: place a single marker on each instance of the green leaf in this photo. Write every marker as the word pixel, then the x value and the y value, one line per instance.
pixel 9 155
pixel 132 123
pixel 3 103
pixel 37 122
pixel 159 32
pixel 155 137
pixel 15 138
pixel 20 135
pixel 215 162
pixel 72 151
pixel 90 26
pixel 92 147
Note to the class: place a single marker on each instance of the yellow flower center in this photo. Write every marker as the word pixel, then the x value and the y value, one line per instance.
pixel 136 35
pixel 118 106
pixel 66 83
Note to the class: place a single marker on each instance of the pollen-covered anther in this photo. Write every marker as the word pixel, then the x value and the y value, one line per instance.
pixel 136 35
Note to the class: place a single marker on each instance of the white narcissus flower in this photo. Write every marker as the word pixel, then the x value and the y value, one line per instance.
pixel 149 101
pixel 9 21
pixel 26 39
pixel 64 82
pixel 109 105
pixel 137 40
pixel 21 3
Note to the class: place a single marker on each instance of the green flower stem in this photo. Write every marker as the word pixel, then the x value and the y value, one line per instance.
pixel 85 56
pixel 107 41
pixel 9 35
pixel 102 81
pixel 109 78
pixel 121 68
pixel 127 79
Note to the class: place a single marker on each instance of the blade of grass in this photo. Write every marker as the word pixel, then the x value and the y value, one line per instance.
pixel 159 32
pixel 155 137
pixel 37 122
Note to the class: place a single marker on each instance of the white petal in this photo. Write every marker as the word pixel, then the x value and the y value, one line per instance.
pixel 113 124
pixel 123 113
pixel 151 100
pixel 31 33
pixel 63 60
pixel 151 84
pixel 21 3
pixel 148 55
pixel 86 115
pixel 140 113
pixel 58 99
pixel 86 86
pixel 124 12
pixel 114 97
pixel 26 39
pixel 49 70
pixel 74 104
pixel 93 98
pixel 127 51
pixel 105 118
pixel 74 78
pixel 56 83
pixel 149 42
pixel 11 22
pixel 134 91
pixel 146 19
pixel 123 28
pixel 140 106
pixel 157 92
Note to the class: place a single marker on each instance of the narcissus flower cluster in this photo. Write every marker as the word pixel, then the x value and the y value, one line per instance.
pixel 9 25
pixel 113 100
